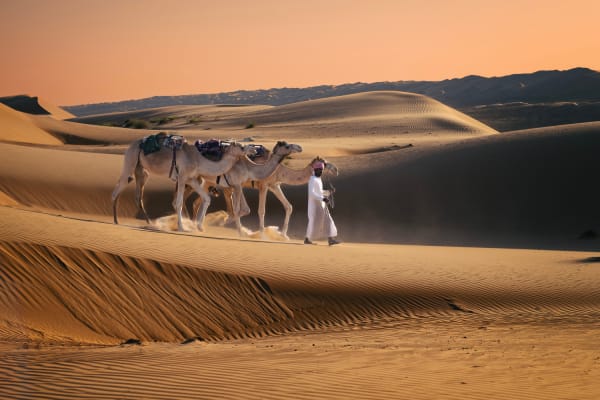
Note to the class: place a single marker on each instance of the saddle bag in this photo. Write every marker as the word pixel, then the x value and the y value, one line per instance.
pixel 211 149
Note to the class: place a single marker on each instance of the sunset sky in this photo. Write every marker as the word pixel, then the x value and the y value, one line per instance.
pixel 87 51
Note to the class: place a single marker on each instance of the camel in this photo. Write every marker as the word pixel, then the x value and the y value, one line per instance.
pixel 189 165
pixel 273 183
pixel 242 172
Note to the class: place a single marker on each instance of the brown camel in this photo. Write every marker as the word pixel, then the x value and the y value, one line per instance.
pixel 188 167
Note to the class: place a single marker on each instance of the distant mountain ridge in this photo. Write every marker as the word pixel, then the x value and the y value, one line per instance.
pixel 574 85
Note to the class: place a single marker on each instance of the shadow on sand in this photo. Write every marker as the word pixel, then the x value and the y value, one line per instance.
pixel 590 260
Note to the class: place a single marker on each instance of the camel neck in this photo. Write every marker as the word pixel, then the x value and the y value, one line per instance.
pixel 262 171
pixel 294 176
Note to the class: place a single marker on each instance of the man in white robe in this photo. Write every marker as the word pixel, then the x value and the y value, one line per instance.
pixel 320 223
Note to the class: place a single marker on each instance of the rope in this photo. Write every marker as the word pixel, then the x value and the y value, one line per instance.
pixel 173 162
pixel 331 192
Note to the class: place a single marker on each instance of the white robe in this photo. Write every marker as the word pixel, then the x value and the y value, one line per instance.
pixel 320 223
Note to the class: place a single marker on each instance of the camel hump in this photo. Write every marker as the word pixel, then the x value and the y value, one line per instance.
pixel 153 143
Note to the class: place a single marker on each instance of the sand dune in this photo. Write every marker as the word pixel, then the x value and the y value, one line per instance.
pixel 35 106
pixel 7 200
pixel 293 288
pixel 60 179
pixel 379 113
pixel 400 315
pixel 172 117
pixel 503 189
pixel 54 110
pixel 380 316
pixel 501 360
pixel 411 111
pixel 520 188
pixel 76 133
pixel 31 120
pixel 18 127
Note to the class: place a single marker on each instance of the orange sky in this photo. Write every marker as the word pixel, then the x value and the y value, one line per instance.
pixel 86 51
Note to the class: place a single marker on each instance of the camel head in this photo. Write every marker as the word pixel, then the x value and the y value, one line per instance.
pixel 249 150
pixel 283 148
pixel 329 167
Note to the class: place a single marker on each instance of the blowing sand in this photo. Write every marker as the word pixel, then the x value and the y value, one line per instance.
pixel 504 305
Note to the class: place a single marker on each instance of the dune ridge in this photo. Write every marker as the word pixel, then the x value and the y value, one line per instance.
pixel 387 112
pixel 412 111
pixel 35 106
pixel 6 200
pixel 292 289
pixel 109 298
pixel 76 133
pixel 18 127
pixel 59 179
pixel 171 116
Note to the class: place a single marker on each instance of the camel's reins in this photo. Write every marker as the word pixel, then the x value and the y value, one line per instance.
pixel 174 163
pixel 331 192
pixel 226 180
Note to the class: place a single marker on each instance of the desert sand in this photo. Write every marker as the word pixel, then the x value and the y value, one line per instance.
pixel 468 268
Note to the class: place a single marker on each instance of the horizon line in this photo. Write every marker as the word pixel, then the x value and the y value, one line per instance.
pixel 315 86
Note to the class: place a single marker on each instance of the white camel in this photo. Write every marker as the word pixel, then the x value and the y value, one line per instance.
pixel 281 175
pixel 243 172
pixel 186 163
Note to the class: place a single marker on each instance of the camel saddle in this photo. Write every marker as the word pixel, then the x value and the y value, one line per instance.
pixel 260 151
pixel 153 143
pixel 174 142
pixel 212 149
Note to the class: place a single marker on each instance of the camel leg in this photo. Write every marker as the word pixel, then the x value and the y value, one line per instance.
pixel 115 202
pixel 276 189
pixel 237 196
pixel 244 208
pixel 205 198
pixel 130 162
pixel 196 206
pixel 180 188
pixel 198 202
pixel 119 188
pixel 186 195
pixel 141 177
pixel 241 207
pixel 262 206
pixel 228 197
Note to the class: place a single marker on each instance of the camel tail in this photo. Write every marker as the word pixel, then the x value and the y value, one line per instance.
pixel 130 162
